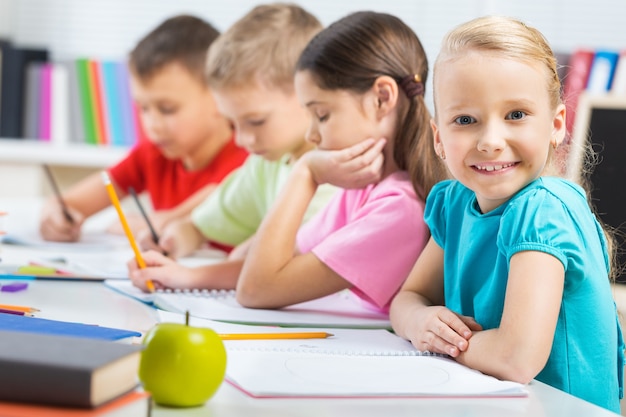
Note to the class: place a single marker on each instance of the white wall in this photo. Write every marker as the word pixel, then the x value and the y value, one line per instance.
pixel 109 28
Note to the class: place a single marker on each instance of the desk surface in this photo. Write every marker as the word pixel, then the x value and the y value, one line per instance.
pixel 92 302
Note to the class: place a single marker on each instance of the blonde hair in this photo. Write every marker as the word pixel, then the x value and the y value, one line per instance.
pixel 264 44
pixel 514 39
pixel 509 37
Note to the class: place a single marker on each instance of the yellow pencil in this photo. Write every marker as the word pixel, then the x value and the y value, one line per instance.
pixel 18 308
pixel 294 335
pixel 129 233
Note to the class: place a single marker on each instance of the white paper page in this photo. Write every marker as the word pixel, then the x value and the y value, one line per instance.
pixel 343 341
pixel 338 310
pixel 276 374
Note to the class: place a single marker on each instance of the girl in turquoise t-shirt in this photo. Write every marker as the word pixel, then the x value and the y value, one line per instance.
pixel 514 281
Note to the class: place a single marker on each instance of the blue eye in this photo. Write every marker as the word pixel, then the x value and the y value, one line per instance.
pixel 516 115
pixel 464 120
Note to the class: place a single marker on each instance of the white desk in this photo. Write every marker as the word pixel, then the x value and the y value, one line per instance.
pixel 91 302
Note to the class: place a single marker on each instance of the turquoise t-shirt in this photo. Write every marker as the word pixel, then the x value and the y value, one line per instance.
pixel 234 211
pixel 550 215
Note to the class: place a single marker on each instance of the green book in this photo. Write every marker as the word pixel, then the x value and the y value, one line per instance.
pixel 86 100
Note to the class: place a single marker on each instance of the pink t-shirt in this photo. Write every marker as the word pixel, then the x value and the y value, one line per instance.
pixel 371 237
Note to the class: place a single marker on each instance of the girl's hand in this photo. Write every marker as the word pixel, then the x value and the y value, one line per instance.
pixel 353 167
pixel 439 330
pixel 163 271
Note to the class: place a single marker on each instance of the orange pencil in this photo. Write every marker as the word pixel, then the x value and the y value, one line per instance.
pixel 294 335
pixel 129 234
pixel 18 308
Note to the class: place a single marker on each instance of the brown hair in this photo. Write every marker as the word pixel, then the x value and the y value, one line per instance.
pixel 184 39
pixel 352 53
pixel 265 43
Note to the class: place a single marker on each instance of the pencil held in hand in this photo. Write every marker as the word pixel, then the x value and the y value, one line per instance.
pixel 57 193
pixel 155 236
pixel 129 234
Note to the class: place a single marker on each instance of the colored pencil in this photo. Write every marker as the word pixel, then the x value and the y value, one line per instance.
pixel 129 234
pixel 259 336
pixel 18 308
pixel 17 313
pixel 155 236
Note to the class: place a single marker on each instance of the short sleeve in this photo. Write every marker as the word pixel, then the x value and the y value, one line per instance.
pixel 377 247
pixel 233 212
pixel 540 221
pixel 434 213
pixel 129 172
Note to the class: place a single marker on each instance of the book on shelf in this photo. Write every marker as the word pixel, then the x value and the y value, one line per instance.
pixel 65 370
pixel 576 82
pixel 84 101
pixel 601 72
pixel 13 63
pixel 133 404
pixel 618 87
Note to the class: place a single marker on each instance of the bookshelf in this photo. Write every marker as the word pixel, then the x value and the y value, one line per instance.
pixel 35 152
pixel 21 159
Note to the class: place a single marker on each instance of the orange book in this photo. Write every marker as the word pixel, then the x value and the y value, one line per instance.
pixel 95 78
pixel 135 403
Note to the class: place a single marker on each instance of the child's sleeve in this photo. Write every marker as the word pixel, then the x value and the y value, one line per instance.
pixel 376 248
pixel 233 212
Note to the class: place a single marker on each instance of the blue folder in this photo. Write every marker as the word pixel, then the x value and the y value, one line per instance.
pixel 36 325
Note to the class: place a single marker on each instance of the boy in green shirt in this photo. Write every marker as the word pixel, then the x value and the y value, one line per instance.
pixel 250 69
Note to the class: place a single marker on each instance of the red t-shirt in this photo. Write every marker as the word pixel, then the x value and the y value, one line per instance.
pixel 166 180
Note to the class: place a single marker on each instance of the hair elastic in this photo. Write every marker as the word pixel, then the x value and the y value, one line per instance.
pixel 412 85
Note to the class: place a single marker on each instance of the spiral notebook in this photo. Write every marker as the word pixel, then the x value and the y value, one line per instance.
pixel 277 374
pixel 342 309
pixel 351 363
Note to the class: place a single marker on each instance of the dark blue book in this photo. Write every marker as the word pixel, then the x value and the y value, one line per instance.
pixel 17 323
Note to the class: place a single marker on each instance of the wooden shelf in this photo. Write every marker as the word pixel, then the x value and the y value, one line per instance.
pixel 28 151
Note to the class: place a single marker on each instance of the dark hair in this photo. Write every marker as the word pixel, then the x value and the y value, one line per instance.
pixel 184 39
pixel 352 53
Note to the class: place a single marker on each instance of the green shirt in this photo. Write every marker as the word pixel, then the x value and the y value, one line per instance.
pixel 234 211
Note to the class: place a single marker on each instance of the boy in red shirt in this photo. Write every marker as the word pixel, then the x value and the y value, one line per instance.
pixel 190 147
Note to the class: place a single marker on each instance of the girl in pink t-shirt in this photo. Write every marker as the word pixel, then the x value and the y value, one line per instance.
pixel 362 79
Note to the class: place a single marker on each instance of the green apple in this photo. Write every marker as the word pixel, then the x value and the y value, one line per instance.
pixel 182 366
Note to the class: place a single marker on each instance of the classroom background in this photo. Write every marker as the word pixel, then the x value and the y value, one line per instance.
pixel 106 30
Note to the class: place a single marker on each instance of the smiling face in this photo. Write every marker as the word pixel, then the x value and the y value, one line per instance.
pixel 339 118
pixel 269 121
pixel 494 123
pixel 177 111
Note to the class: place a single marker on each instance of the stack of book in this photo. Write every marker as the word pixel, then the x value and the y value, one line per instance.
pixel 57 368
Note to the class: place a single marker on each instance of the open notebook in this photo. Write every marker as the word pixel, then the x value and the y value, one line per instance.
pixel 342 309
pixel 351 363
pixel 268 374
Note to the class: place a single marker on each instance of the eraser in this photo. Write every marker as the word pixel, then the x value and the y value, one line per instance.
pixel 14 287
